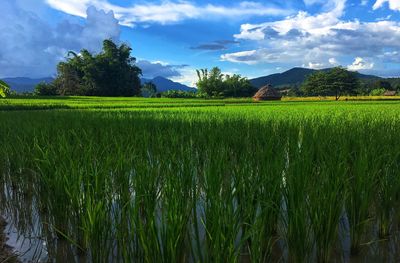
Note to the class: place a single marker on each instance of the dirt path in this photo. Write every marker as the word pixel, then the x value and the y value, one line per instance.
pixel 6 254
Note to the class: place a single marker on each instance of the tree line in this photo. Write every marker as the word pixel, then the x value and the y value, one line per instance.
pixel 113 72
pixel 339 81
pixel 215 84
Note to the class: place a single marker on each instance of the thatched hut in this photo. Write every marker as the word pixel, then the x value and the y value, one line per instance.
pixel 267 93
pixel 389 93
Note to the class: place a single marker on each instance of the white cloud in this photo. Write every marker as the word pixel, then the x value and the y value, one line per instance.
pixel 187 77
pixel 302 22
pixel 393 4
pixel 31 47
pixel 304 37
pixel 333 62
pixel 360 64
pixel 315 65
pixel 167 11
pixel 388 17
pixel 364 2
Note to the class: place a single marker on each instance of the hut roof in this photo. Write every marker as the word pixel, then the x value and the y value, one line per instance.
pixel 267 92
pixel 389 93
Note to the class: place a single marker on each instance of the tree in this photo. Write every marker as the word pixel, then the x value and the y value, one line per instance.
pixel 382 84
pixel 45 89
pixel 315 84
pixel 335 82
pixel 116 74
pixel 237 86
pixel 76 75
pixel 4 89
pixel 214 83
pixel 149 89
pixel 112 72
pixel 341 81
pixel 210 82
pixel 377 92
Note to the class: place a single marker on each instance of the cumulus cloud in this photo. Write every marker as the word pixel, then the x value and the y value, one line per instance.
pixel 167 11
pixel 302 38
pixel 360 64
pixel 393 4
pixel 32 47
pixel 302 23
pixel 160 69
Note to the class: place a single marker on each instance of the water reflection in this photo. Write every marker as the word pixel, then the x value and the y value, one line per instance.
pixel 33 238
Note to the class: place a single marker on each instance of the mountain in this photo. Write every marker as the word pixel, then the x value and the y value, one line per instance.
pixel 20 84
pixel 164 84
pixel 294 77
pixel 25 84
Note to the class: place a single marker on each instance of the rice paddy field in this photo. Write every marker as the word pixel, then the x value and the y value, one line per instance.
pixel 169 180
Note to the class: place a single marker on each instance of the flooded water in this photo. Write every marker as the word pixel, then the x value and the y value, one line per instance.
pixel 33 245
pixel 31 235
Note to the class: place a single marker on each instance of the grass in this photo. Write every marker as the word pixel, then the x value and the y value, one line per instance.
pixel 169 180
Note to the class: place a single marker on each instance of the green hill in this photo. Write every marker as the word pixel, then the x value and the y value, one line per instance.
pixel 294 77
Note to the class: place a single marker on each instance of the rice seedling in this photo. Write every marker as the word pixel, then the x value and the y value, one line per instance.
pixel 121 180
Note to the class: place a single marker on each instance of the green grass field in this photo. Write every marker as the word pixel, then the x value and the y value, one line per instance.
pixel 169 180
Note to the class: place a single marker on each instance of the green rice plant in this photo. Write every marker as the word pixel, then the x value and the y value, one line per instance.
pixel 361 187
pixel 122 180
pixel 327 193
pixel 296 227
pixel 259 190
pixel 388 185
pixel 221 213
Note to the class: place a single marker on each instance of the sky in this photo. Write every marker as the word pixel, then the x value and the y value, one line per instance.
pixel 172 38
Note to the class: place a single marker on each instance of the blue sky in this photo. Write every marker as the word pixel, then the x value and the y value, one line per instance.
pixel 172 38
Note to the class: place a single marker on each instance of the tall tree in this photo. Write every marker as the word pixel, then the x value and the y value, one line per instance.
pixel 315 84
pixel 342 81
pixel 210 82
pixel 335 82
pixel 46 89
pixel 214 83
pixel 237 86
pixel 149 89
pixel 117 73
pixel 112 72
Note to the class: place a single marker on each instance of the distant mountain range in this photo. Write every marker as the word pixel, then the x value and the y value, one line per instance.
pixel 21 85
pixel 293 77
pixel 290 78
pixel 164 84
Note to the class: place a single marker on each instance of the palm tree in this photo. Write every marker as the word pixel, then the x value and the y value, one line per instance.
pixel 4 89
